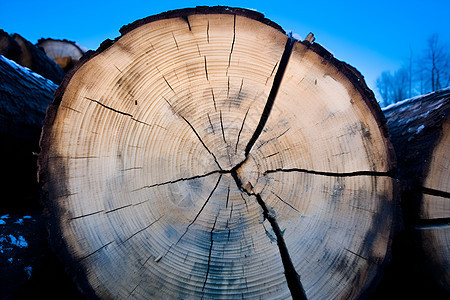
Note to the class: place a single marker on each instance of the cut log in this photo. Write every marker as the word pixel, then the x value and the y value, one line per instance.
pixel 206 154
pixel 420 132
pixel 65 53
pixel 24 97
pixel 26 54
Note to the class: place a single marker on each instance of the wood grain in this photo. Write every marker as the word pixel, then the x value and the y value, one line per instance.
pixel 205 154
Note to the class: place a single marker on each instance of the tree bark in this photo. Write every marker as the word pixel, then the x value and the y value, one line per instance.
pixel 24 96
pixel 206 154
pixel 26 54
pixel 65 53
pixel 420 132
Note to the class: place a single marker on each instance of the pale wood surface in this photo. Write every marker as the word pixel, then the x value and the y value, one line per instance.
pixel 65 53
pixel 161 186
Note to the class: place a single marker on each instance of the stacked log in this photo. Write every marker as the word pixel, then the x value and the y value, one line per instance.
pixel 65 53
pixel 26 54
pixel 420 132
pixel 24 97
pixel 206 154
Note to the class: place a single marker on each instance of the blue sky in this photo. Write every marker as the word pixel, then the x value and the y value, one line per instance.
pixel 372 36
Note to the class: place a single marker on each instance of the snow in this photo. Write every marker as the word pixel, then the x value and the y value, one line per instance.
pixel 22 69
pixel 18 242
pixel 4 217
pixel 2 222
pixel 19 221
pixel 411 99
pixel 28 271
pixel 420 128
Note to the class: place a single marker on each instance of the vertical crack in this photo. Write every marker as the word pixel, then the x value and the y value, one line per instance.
pixel 195 219
pixel 221 126
pixel 240 130
pixel 206 72
pixel 210 250
pixel 212 93
pixel 207 32
pixel 292 278
pixel 272 95
pixel 232 43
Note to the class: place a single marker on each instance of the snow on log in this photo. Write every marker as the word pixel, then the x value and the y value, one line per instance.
pixel 206 154
pixel 24 97
pixel 65 53
pixel 26 54
pixel 420 132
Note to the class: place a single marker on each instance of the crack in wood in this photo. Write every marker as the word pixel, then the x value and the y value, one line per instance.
pixel 180 179
pixel 272 95
pixel 99 249
pixel 434 192
pixel 207 32
pixel 288 204
pixel 110 108
pixel 210 123
pixel 195 219
pixel 186 18
pixel 210 251
pixel 206 72
pixel 146 227
pixel 232 44
pixel 195 132
pixel 332 174
pixel 292 277
pixel 274 138
pixel 228 196
pixel 271 73
pixel 356 254
pixel 431 223
pixel 87 215
pixel 240 130
pixel 176 43
pixel 221 126
pixel 119 208
pixel 168 84
pixel 214 98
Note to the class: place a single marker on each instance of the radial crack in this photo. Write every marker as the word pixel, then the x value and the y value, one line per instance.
pixel 198 214
pixel 272 95
pixel 110 108
pixel 178 180
pixel 193 129
pixel 210 251
pixel 292 277
pixel 232 43
pixel 240 130
pixel 333 174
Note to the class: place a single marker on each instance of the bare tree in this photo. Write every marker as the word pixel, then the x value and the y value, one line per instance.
pixel 436 64
pixel 429 72
pixel 394 88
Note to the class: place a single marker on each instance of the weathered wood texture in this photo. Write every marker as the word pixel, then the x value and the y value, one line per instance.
pixel 24 96
pixel 65 53
pixel 26 54
pixel 420 133
pixel 206 154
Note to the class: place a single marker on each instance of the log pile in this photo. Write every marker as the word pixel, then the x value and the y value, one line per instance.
pixel 420 132
pixel 206 154
pixel 65 53
pixel 26 54
pixel 24 97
